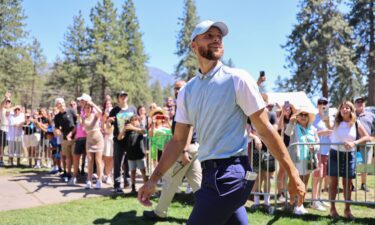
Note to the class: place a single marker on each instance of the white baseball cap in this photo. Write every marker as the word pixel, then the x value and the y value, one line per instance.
pixel 84 97
pixel 59 100
pixel 205 25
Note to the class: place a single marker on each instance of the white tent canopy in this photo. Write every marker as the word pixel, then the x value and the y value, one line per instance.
pixel 298 99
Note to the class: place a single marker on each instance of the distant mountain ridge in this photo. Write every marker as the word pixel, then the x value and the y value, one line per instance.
pixel 158 74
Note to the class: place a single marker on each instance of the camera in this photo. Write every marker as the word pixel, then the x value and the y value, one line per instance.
pixel 160 117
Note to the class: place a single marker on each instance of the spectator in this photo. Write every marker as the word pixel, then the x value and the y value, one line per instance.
pixel 4 113
pixel 30 140
pixel 94 142
pixel 286 113
pixel 160 133
pixel 65 122
pixel 14 137
pixel 323 124
pixel 107 130
pixel 367 120
pixel 118 116
pixel 341 161
pixel 134 148
pixel 304 156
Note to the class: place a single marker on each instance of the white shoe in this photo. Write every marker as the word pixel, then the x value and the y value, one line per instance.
pixel 318 206
pixel 95 176
pixel 98 184
pixel 109 180
pixel 37 166
pixel 72 181
pixel 326 204
pixel 88 185
pixel 189 190
pixel 299 210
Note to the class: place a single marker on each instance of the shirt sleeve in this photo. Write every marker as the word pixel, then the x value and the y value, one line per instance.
pixel 181 113
pixel 248 96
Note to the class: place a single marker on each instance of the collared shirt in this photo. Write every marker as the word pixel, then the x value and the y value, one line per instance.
pixel 320 125
pixel 217 104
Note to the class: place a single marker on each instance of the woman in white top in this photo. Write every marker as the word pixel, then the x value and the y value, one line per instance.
pixel 14 137
pixel 341 161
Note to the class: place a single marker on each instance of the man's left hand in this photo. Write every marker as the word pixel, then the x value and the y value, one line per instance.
pixel 185 159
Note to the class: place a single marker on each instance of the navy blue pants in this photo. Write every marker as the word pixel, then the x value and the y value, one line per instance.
pixel 224 191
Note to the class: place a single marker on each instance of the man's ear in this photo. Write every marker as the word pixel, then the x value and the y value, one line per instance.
pixel 193 45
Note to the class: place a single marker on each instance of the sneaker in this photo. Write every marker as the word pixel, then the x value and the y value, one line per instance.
pixel 88 185
pixel 254 207
pixel 98 184
pixel 109 180
pixel 151 215
pixel 133 191
pixel 269 209
pixel 189 190
pixel 72 181
pixel 318 206
pixel 118 190
pixel 37 166
pixel 364 188
pixel 299 210
pixel 94 176
pixel 325 204
pixel 281 197
pixel 54 171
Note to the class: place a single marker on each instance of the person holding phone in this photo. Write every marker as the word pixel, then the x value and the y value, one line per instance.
pixel 5 108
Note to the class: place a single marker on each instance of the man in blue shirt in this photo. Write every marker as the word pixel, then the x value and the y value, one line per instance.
pixel 217 102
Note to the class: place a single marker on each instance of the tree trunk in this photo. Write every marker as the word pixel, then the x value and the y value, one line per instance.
pixel 103 89
pixel 371 58
pixel 324 80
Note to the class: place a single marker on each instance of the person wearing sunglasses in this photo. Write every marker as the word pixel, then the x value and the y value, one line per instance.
pixel 304 155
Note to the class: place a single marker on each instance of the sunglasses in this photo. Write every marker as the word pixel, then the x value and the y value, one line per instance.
pixel 303 115
pixel 322 103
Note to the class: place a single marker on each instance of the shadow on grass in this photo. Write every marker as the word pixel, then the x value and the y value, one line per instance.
pixel 132 218
pixel 282 214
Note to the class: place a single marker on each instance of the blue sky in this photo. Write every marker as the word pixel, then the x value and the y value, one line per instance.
pixel 257 29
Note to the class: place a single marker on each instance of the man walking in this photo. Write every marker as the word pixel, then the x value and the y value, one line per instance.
pixel 217 102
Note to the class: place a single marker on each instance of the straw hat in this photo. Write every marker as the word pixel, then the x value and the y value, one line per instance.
pixel 305 109
pixel 158 110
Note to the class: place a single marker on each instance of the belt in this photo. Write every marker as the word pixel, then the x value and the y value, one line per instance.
pixel 215 163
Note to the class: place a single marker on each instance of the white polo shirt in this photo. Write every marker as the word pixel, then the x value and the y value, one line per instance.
pixel 217 104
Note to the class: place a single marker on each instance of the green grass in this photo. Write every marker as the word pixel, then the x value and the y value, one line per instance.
pixel 126 210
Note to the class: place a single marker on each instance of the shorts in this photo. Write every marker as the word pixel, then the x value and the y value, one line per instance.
pixel 366 152
pixel 67 147
pixel 134 164
pixel 30 140
pixel 80 146
pixel 3 138
pixel 341 164
pixel 108 147
pixel 323 166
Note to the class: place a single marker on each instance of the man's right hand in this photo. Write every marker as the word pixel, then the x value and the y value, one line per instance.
pixel 145 192
pixel 296 188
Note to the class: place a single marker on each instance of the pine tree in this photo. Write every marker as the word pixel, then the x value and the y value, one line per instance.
pixel 362 18
pixel 105 64
pixel 188 64
pixel 157 93
pixel 75 50
pixel 136 76
pixel 320 53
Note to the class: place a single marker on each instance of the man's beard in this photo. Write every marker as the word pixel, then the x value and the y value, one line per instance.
pixel 209 54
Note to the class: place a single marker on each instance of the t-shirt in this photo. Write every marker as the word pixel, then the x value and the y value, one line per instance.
pixel 29 128
pixel 65 121
pixel 134 145
pixel 121 116
pixel 320 125
pixel 53 142
pixel 344 132
pixel 367 120
pixel 15 132
pixel 4 121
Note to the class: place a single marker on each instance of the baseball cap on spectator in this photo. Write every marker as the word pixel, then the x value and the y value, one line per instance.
pixel 323 101
pixel 59 100
pixel 359 98
pixel 84 97
pixel 17 107
pixel 205 25
pixel 121 93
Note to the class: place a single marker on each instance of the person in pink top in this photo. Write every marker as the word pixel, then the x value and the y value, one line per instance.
pixel 80 139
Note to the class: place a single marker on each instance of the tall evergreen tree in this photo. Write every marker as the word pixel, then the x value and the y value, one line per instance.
pixel 136 75
pixel 75 49
pixel 12 26
pixel 320 53
pixel 105 64
pixel 362 18
pixel 157 93
pixel 188 64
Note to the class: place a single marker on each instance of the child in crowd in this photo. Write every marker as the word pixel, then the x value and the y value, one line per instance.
pixel 53 147
pixel 134 148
